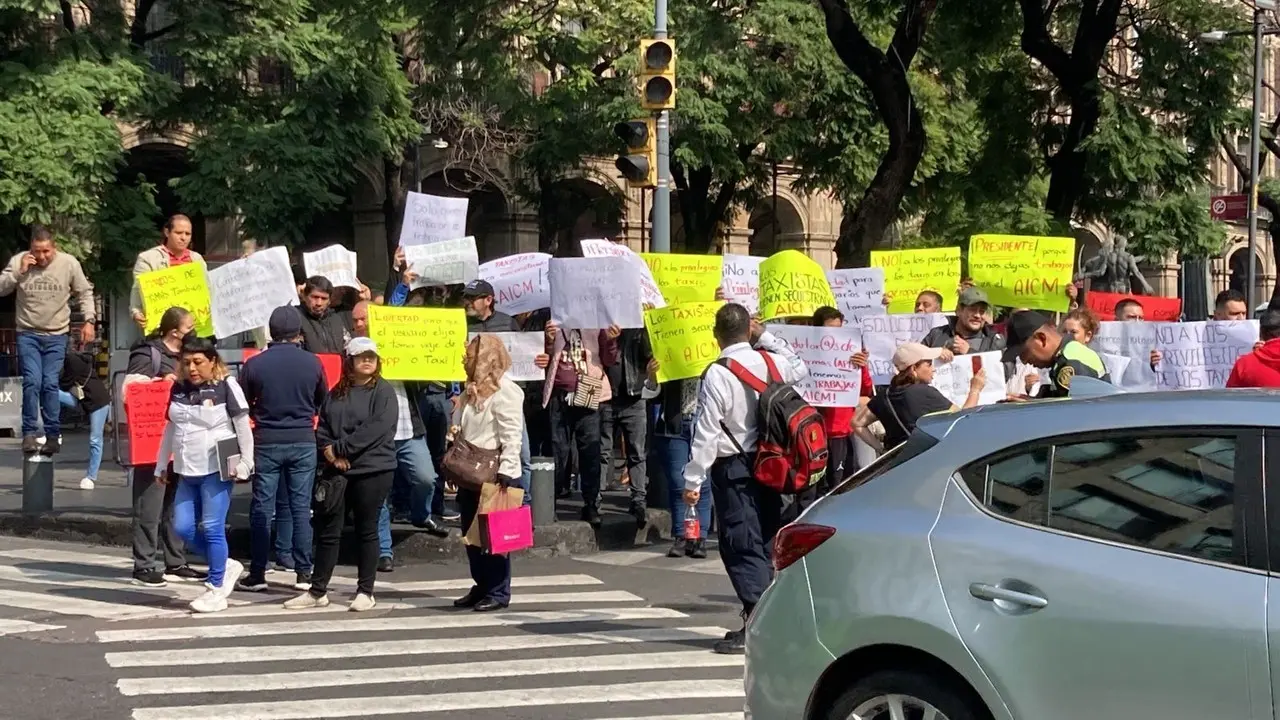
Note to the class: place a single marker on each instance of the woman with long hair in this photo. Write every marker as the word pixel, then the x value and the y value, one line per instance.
pixel 489 416
pixel 356 439
pixel 909 397
pixel 206 408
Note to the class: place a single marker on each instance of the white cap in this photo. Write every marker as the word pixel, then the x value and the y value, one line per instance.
pixel 360 346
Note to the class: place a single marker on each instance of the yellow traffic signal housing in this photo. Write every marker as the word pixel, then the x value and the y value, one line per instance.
pixel 640 165
pixel 658 74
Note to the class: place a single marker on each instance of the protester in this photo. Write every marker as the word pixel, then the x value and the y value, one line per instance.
pixel 173 250
pixel 969 331
pixel 724 439
pixel 1260 368
pixel 928 302
pixel 285 387
pixel 81 387
pixel 158 358
pixel 1231 305
pixel 206 408
pixel 489 417
pixel 45 280
pixel 1130 310
pixel 356 437
pixel 672 434
pixel 1080 325
pixel 1035 340
pixel 325 331
pixel 627 412
pixel 909 397
pixel 839 420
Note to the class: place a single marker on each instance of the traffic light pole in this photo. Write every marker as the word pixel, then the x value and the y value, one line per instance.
pixel 660 240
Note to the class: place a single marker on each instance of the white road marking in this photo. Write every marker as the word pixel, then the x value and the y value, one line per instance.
pixel 16 627
pixel 516 582
pixel 63 605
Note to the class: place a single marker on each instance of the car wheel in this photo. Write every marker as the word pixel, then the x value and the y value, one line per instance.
pixel 901 695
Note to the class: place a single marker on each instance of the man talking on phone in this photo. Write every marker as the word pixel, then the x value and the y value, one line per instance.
pixel 1034 338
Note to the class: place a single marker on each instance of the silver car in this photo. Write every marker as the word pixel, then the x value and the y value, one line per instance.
pixel 1106 557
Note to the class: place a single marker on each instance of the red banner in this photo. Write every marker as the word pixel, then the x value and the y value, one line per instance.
pixel 146 406
pixel 1154 308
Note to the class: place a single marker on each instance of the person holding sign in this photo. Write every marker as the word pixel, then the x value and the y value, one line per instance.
pixel 174 249
pixel 324 330
pixel 45 280
pixel 909 398
pixel 1035 340
pixel 1260 368
pixel 969 331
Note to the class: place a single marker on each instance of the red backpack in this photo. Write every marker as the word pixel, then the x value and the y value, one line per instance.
pixel 791 439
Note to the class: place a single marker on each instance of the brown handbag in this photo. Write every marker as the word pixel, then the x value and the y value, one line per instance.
pixel 470 467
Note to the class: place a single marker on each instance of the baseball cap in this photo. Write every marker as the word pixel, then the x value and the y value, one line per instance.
pixel 1022 325
pixel 478 288
pixel 973 296
pixel 908 354
pixel 360 346
pixel 285 323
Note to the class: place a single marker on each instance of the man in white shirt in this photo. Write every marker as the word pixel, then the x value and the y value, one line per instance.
pixel 749 513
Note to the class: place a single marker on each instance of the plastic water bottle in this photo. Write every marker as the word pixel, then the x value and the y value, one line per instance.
pixel 692 527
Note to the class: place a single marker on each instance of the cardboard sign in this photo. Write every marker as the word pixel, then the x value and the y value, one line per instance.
pixel 1154 308
pixel 146 410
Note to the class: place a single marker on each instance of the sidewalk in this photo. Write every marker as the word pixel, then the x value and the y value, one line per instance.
pixel 103 515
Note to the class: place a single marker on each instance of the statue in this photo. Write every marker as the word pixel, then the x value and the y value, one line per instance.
pixel 1113 269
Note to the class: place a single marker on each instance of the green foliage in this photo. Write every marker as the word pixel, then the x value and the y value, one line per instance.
pixel 125 225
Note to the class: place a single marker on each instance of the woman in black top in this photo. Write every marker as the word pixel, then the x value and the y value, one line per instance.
pixel 356 439
pixel 909 397
pixel 80 386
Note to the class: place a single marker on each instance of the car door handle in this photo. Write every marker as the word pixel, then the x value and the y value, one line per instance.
pixel 983 591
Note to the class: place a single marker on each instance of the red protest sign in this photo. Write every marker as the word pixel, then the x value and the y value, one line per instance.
pixel 331 363
pixel 1154 308
pixel 146 406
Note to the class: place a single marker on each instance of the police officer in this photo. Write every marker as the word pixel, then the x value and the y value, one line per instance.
pixel 1034 338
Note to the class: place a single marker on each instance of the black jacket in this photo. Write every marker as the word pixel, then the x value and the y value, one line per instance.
pixel 497 322
pixel 153 359
pixel 327 334
pixel 77 370
pixel 285 387
pixel 361 427
pixel 627 376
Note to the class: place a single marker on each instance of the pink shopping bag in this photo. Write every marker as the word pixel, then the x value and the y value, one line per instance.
pixel 504 531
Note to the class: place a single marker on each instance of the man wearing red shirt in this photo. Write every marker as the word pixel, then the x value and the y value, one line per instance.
pixel 1260 368
pixel 839 420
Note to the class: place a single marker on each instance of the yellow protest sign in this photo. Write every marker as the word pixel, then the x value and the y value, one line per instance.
pixel 183 286
pixel 685 278
pixel 418 343
pixel 1023 270
pixel 907 273
pixel 682 339
pixel 792 284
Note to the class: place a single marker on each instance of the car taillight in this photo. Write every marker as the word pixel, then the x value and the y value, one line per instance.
pixel 797 540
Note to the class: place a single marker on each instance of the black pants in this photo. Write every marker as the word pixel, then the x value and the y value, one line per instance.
pixel 153 522
pixel 750 515
pixel 365 495
pixel 629 415
pixel 490 573
pixel 575 426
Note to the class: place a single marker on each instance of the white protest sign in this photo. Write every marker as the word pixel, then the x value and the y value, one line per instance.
pixel 882 334
pixel 740 281
pixel 519 282
pixel 523 347
pixel 833 380
pixel 243 293
pixel 952 379
pixel 594 293
pixel 858 291
pixel 1117 365
pixel 1135 341
pixel 431 219
pixel 649 292
pixel 335 262
pixel 1200 355
pixel 447 262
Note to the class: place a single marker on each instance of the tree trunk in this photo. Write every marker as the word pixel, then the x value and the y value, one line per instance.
pixel 886 79
pixel 397 179
pixel 1067 182
pixel 704 205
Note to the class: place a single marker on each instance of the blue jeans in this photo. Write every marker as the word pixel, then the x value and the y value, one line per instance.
pixel 41 357
pixel 436 411
pixel 97 424
pixel 415 471
pixel 288 470
pixel 674 452
pixel 209 498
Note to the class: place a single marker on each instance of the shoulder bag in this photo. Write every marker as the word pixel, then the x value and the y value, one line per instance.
pixel 470 467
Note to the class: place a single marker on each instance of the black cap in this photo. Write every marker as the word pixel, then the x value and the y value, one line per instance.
pixel 1022 325
pixel 285 323
pixel 478 288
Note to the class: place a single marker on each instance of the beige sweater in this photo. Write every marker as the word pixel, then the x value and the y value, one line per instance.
pixel 497 426
pixel 44 293
pixel 156 258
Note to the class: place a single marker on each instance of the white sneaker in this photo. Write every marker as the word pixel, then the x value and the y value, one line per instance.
pixel 86 484
pixel 306 601
pixel 362 603
pixel 230 576
pixel 210 602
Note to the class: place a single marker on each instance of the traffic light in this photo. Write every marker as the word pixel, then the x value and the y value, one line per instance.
pixel 658 74
pixel 640 165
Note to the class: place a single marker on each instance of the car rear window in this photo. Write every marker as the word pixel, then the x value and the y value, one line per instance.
pixel 916 443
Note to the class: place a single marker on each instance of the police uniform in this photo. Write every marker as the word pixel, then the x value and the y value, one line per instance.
pixel 1073 359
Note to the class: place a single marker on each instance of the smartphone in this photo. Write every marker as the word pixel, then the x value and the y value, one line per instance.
pixel 977 364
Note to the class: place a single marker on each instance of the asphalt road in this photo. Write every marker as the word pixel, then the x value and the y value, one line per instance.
pixel 617 635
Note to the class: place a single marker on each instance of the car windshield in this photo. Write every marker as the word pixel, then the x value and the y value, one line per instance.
pixel 918 442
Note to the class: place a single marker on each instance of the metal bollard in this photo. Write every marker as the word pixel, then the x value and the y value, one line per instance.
pixel 542 496
pixel 37 484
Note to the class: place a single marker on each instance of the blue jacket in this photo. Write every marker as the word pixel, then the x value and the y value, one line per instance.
pixel 285 387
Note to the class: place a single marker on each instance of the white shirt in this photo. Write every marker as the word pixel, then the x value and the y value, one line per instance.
pixel 404 421
pixel 723 398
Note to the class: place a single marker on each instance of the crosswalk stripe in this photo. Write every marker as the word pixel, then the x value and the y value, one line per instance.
pixel 273 605
pixel 424 673
pixel 63 605
pixel 433 646
pixel 708 716
pixel 51 555
pixel 425 704
pixel 14 627
pixel 175 591
pixel 516 582
pixel 622 558
pixel 391 624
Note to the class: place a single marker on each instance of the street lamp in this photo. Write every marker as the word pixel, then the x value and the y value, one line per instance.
pixel 1259 29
